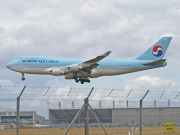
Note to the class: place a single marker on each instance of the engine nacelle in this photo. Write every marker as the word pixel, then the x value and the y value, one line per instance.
pixel 57 72
pixel 75 68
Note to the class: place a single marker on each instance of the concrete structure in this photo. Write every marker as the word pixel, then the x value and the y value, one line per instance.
pixel 1 127
pixel 26 117
pixel 150 116
pixel 65 116
pixel 118 116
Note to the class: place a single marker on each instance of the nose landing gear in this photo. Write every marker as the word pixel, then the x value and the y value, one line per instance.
pixel 23 78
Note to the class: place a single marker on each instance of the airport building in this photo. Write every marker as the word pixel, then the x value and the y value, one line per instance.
pixel 117 116
pixel 150 116
pixel 26 117
pixel 63 117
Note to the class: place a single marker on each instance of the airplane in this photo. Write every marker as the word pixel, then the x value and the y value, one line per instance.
pixel 81 70
pixel 42 126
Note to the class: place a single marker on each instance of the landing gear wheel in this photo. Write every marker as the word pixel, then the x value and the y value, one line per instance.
pixel 77 81
pixel 82 82
pixel 23 78
pixel 81 79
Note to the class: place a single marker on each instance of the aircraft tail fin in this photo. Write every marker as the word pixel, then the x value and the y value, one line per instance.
pixel 156 51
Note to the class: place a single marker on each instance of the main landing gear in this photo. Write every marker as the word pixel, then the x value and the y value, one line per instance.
pixel 82 79
pixel 23 78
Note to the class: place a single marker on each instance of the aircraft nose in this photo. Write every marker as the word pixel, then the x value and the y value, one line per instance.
pixel 8 65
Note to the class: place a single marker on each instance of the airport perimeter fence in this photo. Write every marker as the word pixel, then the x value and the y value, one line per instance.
pixel 67 113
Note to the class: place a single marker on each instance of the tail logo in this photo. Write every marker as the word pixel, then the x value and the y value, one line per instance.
pixel 157 50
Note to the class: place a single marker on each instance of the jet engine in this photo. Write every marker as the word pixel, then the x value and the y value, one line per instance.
pixel 75 68
pixel 57 72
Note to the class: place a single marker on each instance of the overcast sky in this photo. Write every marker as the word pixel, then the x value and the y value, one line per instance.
pixel 85 29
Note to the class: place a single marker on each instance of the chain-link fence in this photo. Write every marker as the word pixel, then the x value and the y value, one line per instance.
pixel 62 115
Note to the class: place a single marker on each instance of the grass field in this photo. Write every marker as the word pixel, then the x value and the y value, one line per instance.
pixel 92 131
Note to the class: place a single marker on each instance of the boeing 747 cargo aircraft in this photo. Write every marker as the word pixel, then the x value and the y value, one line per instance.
pixel 81 70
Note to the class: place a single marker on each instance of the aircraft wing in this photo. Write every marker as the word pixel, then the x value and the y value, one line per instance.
pixel 86 66
pixel 83 68
pixel 98 58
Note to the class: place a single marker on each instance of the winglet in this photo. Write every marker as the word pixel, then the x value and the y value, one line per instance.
pixel 106 54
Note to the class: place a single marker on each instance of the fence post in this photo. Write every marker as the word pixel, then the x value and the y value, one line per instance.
pixel 85 107
pixel 18 109
pixel 140 122
pixel 86 113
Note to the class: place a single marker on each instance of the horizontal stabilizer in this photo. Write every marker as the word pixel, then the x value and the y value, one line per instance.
pixel 156 62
